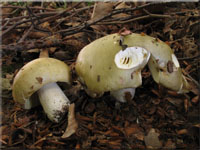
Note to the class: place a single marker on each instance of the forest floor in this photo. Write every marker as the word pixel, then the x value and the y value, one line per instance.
pixel 155 118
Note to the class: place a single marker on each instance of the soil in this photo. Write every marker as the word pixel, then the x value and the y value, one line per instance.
pixel 155 118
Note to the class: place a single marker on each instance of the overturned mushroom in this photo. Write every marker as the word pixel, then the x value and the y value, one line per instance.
pixel 107 65
pixel 38 79
pixel 111 68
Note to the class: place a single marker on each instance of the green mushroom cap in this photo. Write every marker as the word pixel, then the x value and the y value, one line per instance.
pixel 98 71
pixel 34 75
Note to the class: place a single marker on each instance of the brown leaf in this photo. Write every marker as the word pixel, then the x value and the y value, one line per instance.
pixel 195 99
pixel 72 123
pixel 121 6
pixel 182 131
pixel 4 138
pixel 35 50
pixel 77 41
pixel 175 101
pixel 134 130
pixel 37 35
pixel 190 48
pixel 98 7
pixel 172 93
pixel 45 25
pixel 100 10
pixel 152 140
pixel 62 55
pixel 6 10
pixel 197 125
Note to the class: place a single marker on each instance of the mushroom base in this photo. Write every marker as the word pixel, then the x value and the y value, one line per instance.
pixel 123 95
pixel 53 101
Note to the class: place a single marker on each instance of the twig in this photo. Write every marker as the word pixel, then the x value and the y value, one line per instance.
pixel 44 20
pixel 75 12
pixel 7 22
pixel 188 58
pixel 26 45
pixel 96 32
pixel 146 25
pixel 14 25
pixel 10 13
pixel 46 14
pixel 135 19
pixel 79 28
pixel 38 14
pixel 59 14
pixel 21 7
pixel 26 34
pixel 195 81
pixel 31 15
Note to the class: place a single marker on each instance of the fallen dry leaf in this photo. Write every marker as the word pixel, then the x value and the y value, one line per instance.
pixel 182 131
pixel 101 126
pixel 197 125
pixel 121 6
pixel 72 123
pixel 195 99
pixel 37 35
pixel 98 13
pixel 35 50
pixel 152 140
pixel 135 131
pixel 98 7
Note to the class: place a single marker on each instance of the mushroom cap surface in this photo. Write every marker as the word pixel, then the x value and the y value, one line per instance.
pixel 97 70
pixel 35 75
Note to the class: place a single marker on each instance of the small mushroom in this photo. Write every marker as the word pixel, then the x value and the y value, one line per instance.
pixel 38 79
pixel 109 67
pixel 107 64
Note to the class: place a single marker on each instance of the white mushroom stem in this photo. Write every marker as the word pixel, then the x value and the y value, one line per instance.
pixel 53 101
pixel 124 94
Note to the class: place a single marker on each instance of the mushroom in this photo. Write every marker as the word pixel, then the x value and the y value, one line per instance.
pixel 37 80
pixel 107 65
pixel 111 68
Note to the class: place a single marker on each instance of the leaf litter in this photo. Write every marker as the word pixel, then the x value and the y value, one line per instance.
pixel 155 118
